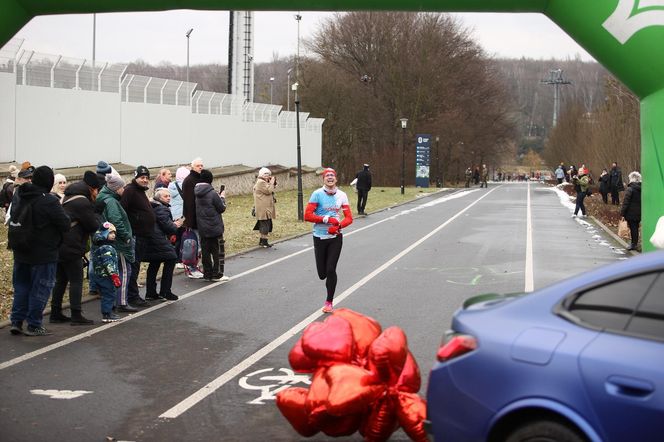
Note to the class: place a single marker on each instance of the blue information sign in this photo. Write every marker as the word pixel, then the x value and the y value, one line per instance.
pixel 422 160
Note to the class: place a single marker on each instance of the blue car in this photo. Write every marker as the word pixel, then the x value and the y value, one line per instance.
pixel 581 360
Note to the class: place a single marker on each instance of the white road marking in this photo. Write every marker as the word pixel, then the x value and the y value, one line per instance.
pixel 215 384
pixel 61 394
pixel 108 326
pixel 530 279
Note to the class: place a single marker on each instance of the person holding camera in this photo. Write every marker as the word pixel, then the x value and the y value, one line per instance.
pixel 264 204
pixel 324 210
pixel 209 207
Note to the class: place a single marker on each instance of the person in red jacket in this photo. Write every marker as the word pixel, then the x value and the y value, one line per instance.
pixel 324 210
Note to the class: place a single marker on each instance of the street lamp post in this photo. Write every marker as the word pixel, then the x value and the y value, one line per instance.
pixel 404 123
pixel 438 180
pixel 288 89
pixel 271 85
pixel 188 91
pixel 300 201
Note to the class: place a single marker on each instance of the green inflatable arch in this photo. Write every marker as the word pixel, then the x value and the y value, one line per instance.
pixel 626 36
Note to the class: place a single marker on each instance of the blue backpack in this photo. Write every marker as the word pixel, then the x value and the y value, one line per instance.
pixel 189 248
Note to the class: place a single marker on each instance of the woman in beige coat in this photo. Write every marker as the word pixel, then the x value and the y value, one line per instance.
pixel 264 204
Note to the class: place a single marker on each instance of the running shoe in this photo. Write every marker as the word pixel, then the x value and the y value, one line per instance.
pixel 327 307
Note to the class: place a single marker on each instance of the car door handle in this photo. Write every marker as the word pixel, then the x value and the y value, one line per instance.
pixel 631 387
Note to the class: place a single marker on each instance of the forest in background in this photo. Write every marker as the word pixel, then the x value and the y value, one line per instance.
pixel 367 70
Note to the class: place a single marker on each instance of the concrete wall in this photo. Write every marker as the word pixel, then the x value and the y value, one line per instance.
pixel 7 116
pixel 70 128
pixel 63 128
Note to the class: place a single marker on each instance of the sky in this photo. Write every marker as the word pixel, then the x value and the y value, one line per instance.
pixel 160 36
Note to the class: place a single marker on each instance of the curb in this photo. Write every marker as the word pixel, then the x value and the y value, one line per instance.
pixel 616 238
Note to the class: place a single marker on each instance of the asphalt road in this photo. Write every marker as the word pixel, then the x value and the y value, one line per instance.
pixel 206 367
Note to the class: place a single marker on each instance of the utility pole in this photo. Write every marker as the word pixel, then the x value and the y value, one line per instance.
pixel 556 80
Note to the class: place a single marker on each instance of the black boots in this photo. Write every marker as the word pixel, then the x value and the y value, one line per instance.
pixel 57 317
pixel 263 243
pixel 77 318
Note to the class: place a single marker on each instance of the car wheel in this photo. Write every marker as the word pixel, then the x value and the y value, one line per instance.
pixel 545 431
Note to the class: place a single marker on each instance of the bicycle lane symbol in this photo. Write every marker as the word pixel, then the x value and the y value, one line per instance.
pixel 270 385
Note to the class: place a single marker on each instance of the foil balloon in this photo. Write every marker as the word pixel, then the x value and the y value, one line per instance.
pixel 329 341
pixel 365 331
pixel 363 380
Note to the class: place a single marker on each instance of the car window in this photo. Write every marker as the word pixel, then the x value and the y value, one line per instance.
pixel 649 318
pixel 612 305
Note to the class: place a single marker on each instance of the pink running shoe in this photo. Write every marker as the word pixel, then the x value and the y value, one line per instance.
pixel 327 308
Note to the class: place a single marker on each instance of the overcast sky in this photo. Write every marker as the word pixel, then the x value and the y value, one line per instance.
pixel 160 36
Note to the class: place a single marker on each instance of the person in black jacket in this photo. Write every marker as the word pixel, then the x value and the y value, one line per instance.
pixel 615 183
pixel 160 249
pixel 141 217
pixel 189 207
pixel 363 186
pixel 78 203
pixel 34 266
pixel 631 208
pixel 209 207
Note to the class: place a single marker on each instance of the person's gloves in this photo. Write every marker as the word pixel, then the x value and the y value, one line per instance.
pixel 333 230
pixel 116 280
pixel 333 221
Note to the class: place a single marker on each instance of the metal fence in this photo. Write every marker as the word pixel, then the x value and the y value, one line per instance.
pixel 8 54
pixel 315 124
pixel 56 71
pixel 261 112
pixel 216 103
pixel 288 119
pixel 141 89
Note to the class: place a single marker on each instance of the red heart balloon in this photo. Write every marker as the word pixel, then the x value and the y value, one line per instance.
pixel 411 412
pixel 381 422
pixel 299 361
pixel 316 404
pixel 329 341
pixel 387 355
pixel 365 331
pixel 291 404
pixel 410 379
pixel 351 389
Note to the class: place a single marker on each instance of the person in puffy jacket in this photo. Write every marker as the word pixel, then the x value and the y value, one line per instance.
pixel 35 263
pixel 630 210
pixel 108 205
pixel 581 183
pixel 104 260
pixel 209 207
pixel 160 248
pixel 78 202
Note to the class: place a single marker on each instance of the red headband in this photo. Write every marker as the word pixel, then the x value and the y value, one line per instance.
pixel 329 170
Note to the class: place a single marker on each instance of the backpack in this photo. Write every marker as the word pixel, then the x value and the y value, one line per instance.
pixel 20 228
pixel 189 248
pixel 6 194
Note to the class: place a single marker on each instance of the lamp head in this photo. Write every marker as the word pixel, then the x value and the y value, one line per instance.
pixel 189 32
pixel 294 86
pixel 404 123
pixel 271 78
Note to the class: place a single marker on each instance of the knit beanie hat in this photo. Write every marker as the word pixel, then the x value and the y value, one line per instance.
pixel 59 178
pixel 43 177
pixel 264 171
pixel 13 171
pixel 141 171
pixel 206 176
pixel 114 182
pixel 27 170
pixel 90 178
pixel 103 168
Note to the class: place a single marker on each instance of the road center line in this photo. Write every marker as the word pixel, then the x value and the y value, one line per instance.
pixel 211 387
pixel 530 279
